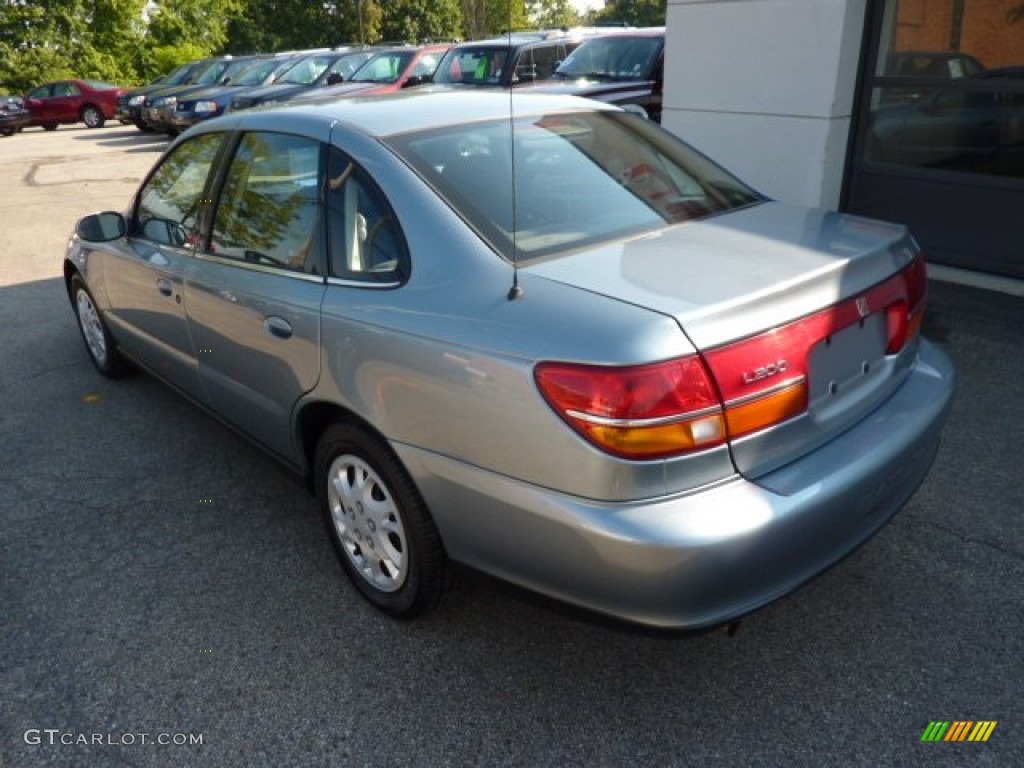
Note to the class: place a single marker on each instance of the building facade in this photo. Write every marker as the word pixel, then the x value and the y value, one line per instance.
pixel 907 110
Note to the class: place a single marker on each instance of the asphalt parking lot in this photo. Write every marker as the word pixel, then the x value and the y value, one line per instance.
pixel 162 580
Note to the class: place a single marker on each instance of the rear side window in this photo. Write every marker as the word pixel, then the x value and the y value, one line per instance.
pixel 538 63
pixel 169 203
pixel 366 244
pixel 268 212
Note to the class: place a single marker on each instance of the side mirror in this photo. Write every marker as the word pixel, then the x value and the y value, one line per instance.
pixel 334 78
pixel 101 227
pixel 414 80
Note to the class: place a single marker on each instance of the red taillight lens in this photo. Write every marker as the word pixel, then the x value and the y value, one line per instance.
pixel 672 408
pixel 637 412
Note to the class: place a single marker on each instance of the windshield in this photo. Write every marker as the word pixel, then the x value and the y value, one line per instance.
pixel 346 66
pixel 306 70
pixel 178 76
pixel 234 69
pixel 472 66
pixel 613 58
pixel 257 74
pixel 581 178
pixel 383 68
pixel 213 73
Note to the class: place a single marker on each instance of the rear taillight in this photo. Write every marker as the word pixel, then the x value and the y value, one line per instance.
pixel 902 297
pixel 676 407
pixel 637 412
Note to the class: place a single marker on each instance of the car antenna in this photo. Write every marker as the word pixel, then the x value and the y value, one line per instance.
pixel 515 291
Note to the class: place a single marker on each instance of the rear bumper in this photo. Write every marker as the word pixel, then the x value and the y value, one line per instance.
pixel 709 556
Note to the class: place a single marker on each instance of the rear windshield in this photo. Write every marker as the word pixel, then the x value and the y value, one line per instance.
pixel 581 178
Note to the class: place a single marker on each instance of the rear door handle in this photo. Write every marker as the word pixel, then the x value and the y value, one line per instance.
pixel 164 286
pixel 278 326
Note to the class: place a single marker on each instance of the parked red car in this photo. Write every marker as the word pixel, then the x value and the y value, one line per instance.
pixel 72 101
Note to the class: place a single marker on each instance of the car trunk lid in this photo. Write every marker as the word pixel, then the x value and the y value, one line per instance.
pixel 803 317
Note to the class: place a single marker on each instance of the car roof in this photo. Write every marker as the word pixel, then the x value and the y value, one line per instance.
pixel 410 111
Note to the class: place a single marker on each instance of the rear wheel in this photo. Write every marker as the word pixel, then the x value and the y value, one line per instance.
pixel 98 342
pixel 92 116
pixel 381 528
pixel 7 132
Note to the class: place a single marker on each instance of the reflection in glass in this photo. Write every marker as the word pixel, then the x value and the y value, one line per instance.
pixel 975 126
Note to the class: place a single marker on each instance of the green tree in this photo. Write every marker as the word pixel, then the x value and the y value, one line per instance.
pixel 637 13
pixel 48 39
pixel 202 23
pixel 281 25
pixel 418 20
pixel 486 18
pixel 550 14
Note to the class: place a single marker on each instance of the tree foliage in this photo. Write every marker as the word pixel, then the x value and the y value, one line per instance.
pixel 412 21
pixel 636 13
pixel 132 41
pixel 485 18
pixel 552 14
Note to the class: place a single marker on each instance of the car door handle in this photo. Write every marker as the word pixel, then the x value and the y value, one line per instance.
pixel 278 326
pixel 164 286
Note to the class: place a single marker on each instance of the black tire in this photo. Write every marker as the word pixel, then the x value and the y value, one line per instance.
pixel 143 126
pixel 379 524
pixel 49 126
pixel 98 341
pixel 7 132
pixel 93 116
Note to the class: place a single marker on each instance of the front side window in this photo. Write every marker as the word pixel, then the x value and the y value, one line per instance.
pixel 306 71
pixel 579 179
pixel 269 208
pixel 382 68
pixel 168 207
pixel 426 66
pixel 537 63
pixel 346 66
pixel 613 58
pixel 366 243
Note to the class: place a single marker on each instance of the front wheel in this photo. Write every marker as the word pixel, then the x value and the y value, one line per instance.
pixel 98 341
pixel 92 116
pixel 381 528
pixel 49 126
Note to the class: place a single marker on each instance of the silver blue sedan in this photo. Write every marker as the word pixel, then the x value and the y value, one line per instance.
pixel 540 337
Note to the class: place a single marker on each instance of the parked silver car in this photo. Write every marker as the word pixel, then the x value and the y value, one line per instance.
pixel 616 376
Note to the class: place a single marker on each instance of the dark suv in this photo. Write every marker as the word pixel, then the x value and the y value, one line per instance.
pixel 620 68
pixel 131 104
pixel 511 60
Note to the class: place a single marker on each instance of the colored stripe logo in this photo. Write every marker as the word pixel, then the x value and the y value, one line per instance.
pixel 959 730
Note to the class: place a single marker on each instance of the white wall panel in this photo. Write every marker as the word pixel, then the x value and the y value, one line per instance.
pixel 766 87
